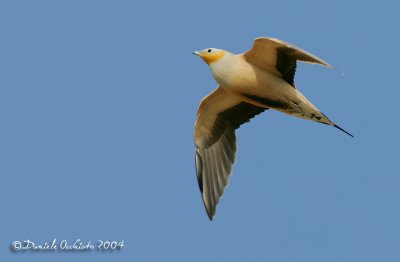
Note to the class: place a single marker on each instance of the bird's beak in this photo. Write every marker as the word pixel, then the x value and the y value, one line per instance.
pixel 196 53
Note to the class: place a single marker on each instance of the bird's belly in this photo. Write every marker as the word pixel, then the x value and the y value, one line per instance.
pixel 259 87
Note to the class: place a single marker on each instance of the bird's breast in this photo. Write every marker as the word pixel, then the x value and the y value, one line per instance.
pixel 234 73
pixel 254 85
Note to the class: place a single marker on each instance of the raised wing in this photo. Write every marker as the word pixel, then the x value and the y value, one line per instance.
pixel 219 114
pixel 279 57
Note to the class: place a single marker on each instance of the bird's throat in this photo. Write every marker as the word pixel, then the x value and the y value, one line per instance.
pixel 210 58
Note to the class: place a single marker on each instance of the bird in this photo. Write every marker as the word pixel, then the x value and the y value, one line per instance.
pixel 249 83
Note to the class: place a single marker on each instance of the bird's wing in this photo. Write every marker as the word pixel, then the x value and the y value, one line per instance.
pixel 219 114
pixel 279 57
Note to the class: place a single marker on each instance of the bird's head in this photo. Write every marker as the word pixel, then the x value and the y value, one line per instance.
pixel 210 55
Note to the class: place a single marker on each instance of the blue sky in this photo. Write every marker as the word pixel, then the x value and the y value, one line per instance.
pixel 98 101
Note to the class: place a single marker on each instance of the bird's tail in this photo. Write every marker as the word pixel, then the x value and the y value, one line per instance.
pixel 301 107
pixel 333 124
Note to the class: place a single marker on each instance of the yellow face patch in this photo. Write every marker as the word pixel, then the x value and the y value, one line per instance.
pixel 212 57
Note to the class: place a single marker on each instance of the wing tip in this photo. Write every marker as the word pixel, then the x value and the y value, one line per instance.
pixel 210 215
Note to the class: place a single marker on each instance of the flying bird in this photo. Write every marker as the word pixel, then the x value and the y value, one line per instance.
pixel 250 83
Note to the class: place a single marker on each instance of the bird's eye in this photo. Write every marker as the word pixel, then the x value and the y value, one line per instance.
pixel 209 50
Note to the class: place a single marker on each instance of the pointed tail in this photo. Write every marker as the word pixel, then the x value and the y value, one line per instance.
pixel 341 129
pixel 326 120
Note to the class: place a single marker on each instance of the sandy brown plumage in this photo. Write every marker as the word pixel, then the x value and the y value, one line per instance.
pixel 261 78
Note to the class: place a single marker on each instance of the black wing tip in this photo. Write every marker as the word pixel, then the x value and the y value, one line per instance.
pixel 210 215
pixel 341 129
